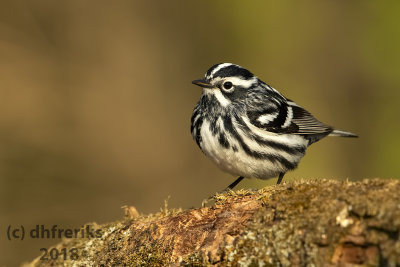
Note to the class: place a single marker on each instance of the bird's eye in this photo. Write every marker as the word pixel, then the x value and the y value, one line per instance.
pixel 227 85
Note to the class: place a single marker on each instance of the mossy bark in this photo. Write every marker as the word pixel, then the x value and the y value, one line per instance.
pixel 303 223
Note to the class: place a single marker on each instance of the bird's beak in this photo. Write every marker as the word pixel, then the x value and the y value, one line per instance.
pixel 202 83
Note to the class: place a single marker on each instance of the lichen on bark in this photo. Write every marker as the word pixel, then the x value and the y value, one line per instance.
pixel 302 223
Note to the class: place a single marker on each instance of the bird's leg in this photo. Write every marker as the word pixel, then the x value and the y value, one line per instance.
pixel 230 187
pixel 280 177
pixel 235 183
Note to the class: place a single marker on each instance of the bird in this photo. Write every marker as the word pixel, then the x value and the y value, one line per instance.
pixel 248 128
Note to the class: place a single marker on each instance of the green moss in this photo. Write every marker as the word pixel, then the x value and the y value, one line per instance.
pixel 306 223
pixel 299 221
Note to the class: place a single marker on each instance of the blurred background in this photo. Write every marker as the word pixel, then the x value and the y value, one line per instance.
pixel 96 99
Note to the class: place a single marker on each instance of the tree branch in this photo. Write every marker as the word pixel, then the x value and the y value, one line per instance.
pixel 320 223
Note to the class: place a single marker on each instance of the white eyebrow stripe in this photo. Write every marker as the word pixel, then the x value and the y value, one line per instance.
pixel 242 82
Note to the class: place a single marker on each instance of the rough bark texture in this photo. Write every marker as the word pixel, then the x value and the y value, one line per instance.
pixel 304 223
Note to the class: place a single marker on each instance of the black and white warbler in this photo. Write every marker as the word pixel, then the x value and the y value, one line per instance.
pixel 248 128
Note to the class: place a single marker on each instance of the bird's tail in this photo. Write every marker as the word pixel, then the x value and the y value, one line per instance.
pixel 342 133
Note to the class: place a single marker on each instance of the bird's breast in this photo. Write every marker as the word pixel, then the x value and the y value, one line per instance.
pixel 238 152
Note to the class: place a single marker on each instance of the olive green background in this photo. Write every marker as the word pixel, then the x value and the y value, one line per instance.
pixel 96 99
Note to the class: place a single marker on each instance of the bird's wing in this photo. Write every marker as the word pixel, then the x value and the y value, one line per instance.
pixel 286 116
pixel 306 122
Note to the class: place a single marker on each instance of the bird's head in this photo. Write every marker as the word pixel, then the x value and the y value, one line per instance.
pixel 228 82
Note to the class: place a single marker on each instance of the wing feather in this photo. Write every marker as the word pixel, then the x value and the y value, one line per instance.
pixel 287 117
pixel 306 122
pixel 271 111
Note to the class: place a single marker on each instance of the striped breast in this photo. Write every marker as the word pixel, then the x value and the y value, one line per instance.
pixel 240 148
